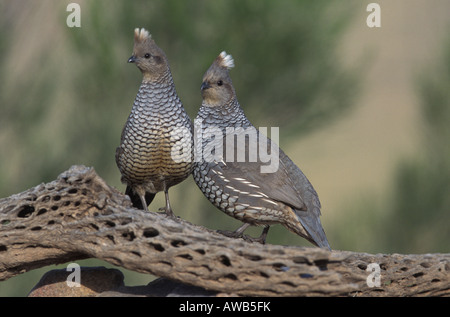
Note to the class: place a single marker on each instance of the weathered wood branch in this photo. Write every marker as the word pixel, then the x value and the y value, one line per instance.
pixel 79 216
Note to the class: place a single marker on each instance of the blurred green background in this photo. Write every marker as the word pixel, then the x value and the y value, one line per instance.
pixel 363 112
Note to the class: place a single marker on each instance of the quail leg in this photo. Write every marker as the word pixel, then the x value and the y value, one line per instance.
pixel 239 233
pixel 262 237
pixel 143 202
pixel 140 199
pixel 167 209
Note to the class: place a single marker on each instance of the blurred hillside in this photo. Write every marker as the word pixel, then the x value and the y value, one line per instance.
pixel 351 103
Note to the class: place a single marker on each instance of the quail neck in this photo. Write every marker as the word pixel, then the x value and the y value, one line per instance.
pixel 227 115
pixel 155 100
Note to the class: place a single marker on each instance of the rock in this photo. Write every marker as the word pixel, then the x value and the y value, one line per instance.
pixel 100 281
pixel 93 281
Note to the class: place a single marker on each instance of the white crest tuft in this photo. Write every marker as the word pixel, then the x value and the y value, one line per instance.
pixel 141 35
pixel 226 60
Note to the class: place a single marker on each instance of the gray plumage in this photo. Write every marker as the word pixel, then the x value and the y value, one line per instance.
pixel 155 151
pixel 240 189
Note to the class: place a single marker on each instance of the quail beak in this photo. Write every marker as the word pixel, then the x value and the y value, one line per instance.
pixel 132 59
pixel 205 86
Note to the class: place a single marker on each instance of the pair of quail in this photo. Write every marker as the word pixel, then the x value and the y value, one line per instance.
pixel 157 151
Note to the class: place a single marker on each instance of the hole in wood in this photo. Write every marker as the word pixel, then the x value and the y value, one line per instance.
pixel 207 267
pixel 301 260
pixel 321 264
pixel 110 224
pixel 157 247
pixel 129 235
pixel 166 263
pixel 93 225
pixel 435 280
pixel 110 237
pixel 126 221
pixel 425 265
pixel 288 283
pixel 136 253
pixel 177 243
pixel 362 266
pixel 150 232
pixel 5 222
pixel 253 257
pixel 231 277
pixel 41 211
pixel 31 198
pixel 225 260
pixel 186 256
pixel 25 212
pixel 280 267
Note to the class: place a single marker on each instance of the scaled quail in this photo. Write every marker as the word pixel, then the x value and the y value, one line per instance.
pixel 241 187
pixel 156 150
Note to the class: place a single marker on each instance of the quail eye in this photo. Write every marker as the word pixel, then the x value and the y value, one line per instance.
pixel 147 55
pixel 220 83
